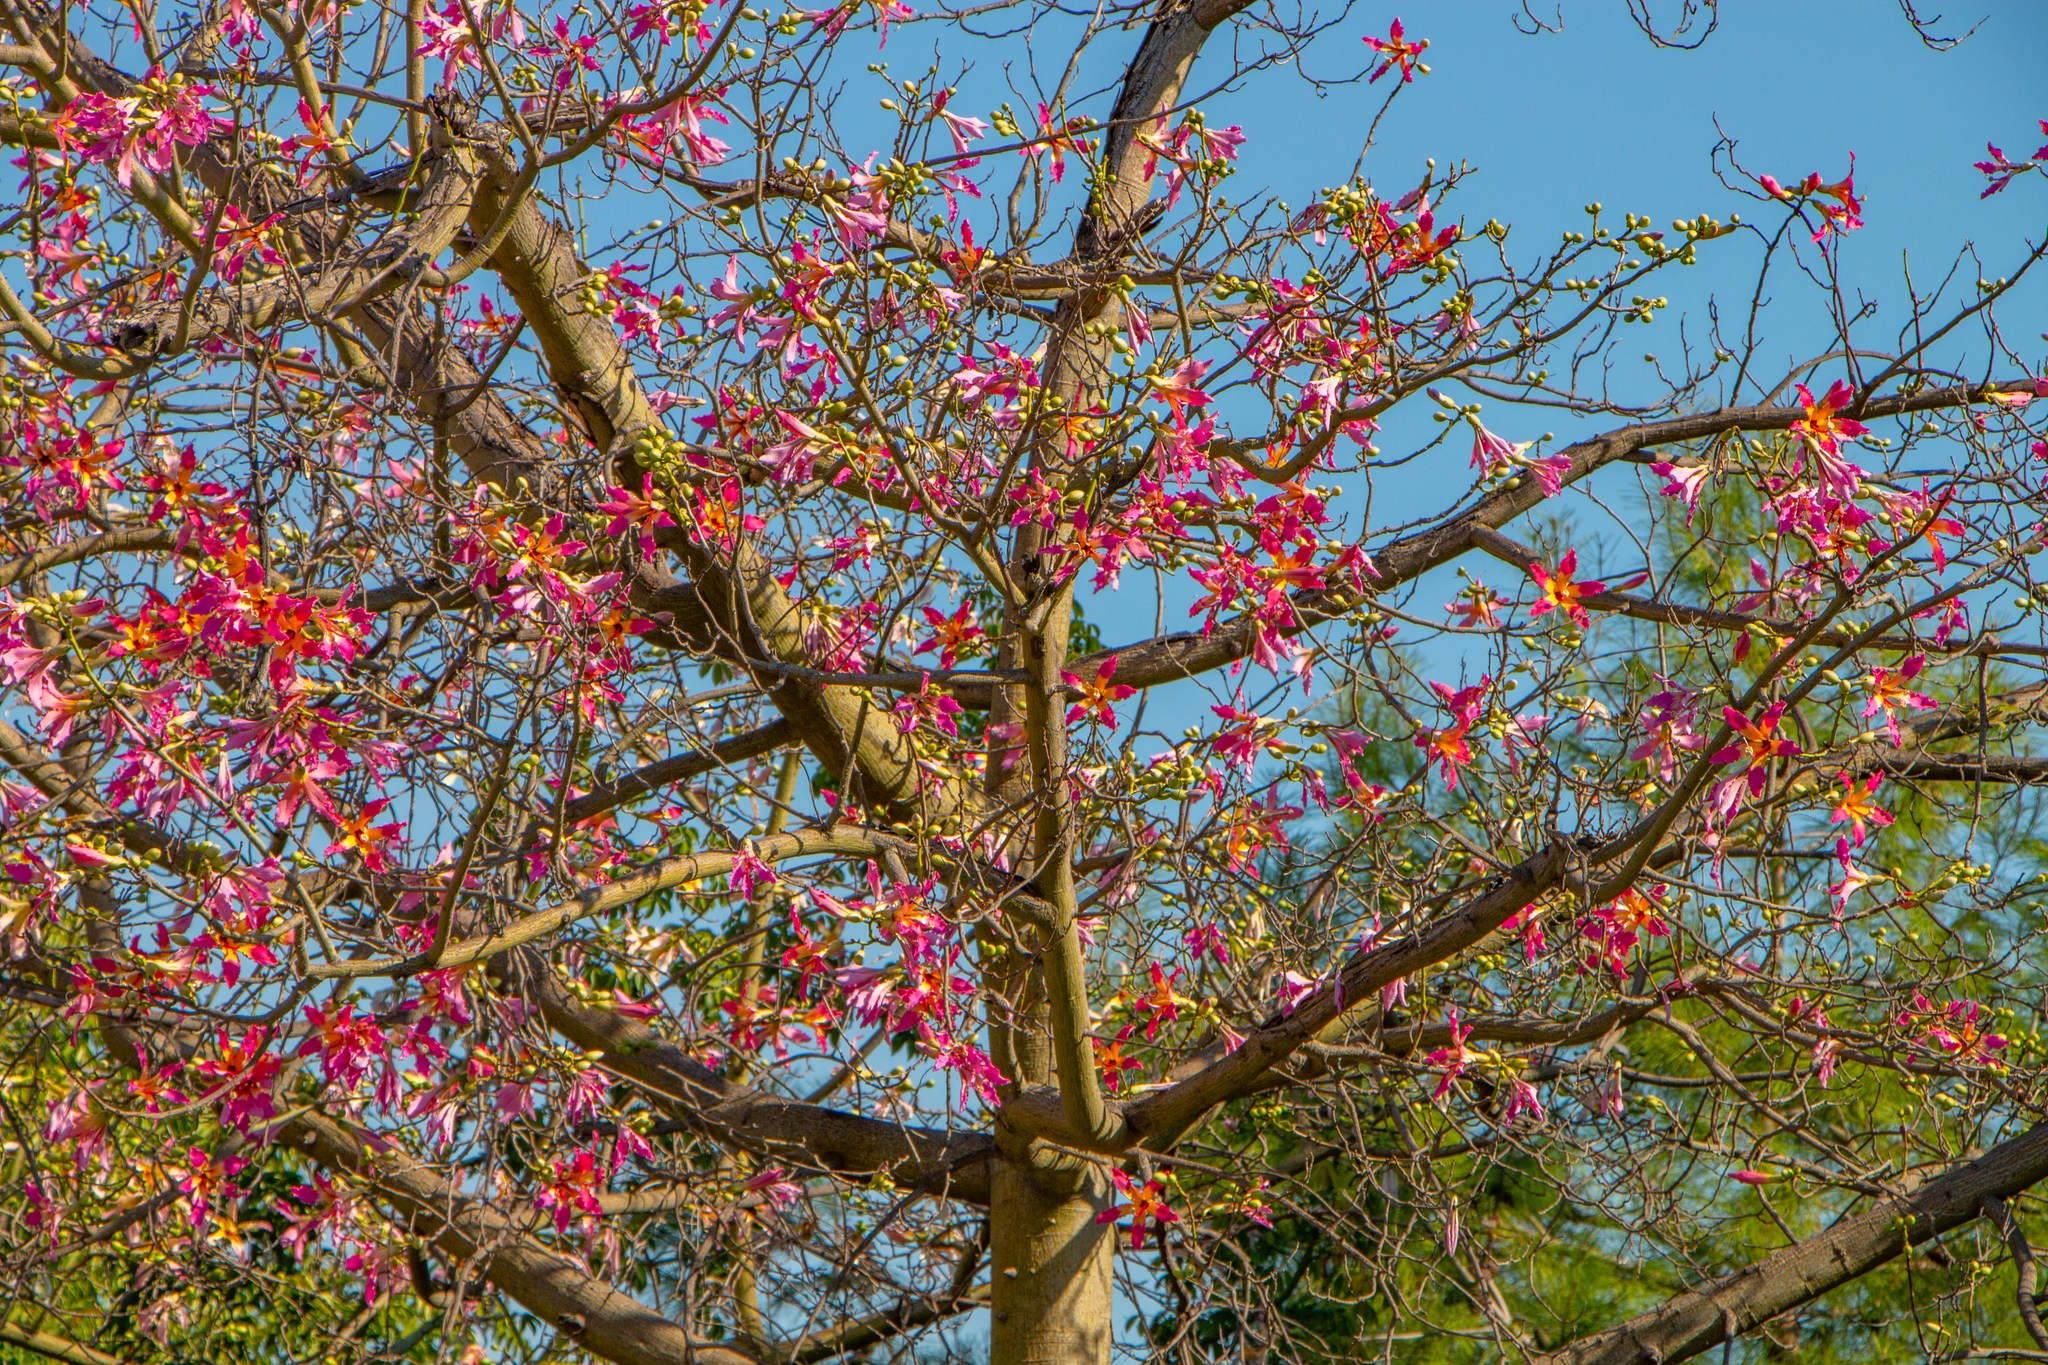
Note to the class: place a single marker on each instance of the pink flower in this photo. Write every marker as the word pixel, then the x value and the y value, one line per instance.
pixel 1243 738
pixel 913 923
pixel 1145 1203
pixel 1399 52
pixel 926 706
pixel 1162 1003
pixel 1757 742
pixel 1450 749
pixel 1294 987
pixel 641 513
pixel 2001 171
pixel 976 1068
pixel 749 874
pixel 1683 482
pixel 1854 879
pixel 1453 1059
pixel 1492 454
pixel 1617 927
pixel 1823 426
pixel 356 834
pixel 774 1187
pixel 1208 940
pixel 1181 386
pixel 1522 1099
pixel 447 35
pixel 1857 808
pixel 1890 694
pixel 1055 139
pixel 952 636
pixel 1845 212
pixel 209 1184
pixel 1095 698
pixel 1464 702
pixel 346 1043
pixel 1529 924
pixel 1960 1034
pixel 572 1194
pixel 1669 720
pixel 961 128
pixel 1551 472
pixel 1561 592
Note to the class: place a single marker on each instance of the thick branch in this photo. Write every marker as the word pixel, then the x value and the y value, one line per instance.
pixel 55 1347
pixel 1160 1118
pixel 1511 551
pixel 610 895
pixel 354 277
pixel 587 1310
pixel 1702 1318
pixel 808 1137
pixel 1186 654
pixel 678 768
pixel 753 617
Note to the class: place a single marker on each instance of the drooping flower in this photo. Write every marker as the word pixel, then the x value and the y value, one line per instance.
pixel 2001 170
pixel 1208 939
pixel 1493 454
pixel 1294 988
pixel 1890 694
pixel 1452 1060
pixel 1522 1099
pixel 1684 482
pixel 1853 879
pixel 774 1186
pixel 1670 723
pixel 749 874
pixel 959 127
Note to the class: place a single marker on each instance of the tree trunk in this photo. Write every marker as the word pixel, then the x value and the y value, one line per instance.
pixel 1053 1265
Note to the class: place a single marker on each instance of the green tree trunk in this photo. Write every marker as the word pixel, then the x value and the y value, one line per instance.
pixel 1053 1265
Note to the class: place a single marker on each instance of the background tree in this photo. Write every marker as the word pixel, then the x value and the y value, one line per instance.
pixel 637 789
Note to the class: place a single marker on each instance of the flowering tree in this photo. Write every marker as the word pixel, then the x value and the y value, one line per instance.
pixel 880 760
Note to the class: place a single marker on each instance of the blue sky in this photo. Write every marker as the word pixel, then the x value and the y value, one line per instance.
pixel 1556 121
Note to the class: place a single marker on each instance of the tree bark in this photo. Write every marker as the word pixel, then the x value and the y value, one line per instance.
pixel 1710 1313
pixel 1053 1265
